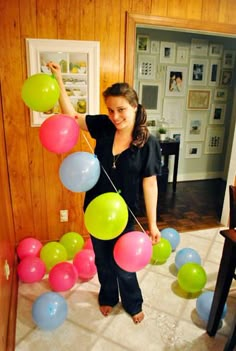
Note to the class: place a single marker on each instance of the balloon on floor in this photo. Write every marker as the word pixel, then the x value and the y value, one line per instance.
pixel 31 269
pixel 52 253
pixel 185 255
pixel 192 277
pixel 161 251
pixel 203 306
pixel 73 243
pixel 62 276
pixel 28 247
pixel 172 235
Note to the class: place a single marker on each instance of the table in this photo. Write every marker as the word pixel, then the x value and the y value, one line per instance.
pixel 171 147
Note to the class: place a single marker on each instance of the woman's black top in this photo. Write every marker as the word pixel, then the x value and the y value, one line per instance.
pixel 132 165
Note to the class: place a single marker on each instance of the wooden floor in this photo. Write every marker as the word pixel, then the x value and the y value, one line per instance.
pixel 195 205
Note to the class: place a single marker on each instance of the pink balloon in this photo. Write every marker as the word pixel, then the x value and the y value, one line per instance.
pixel 133 251
pixel 31 269
pixel 88 244
pixel 59 133
pixel 28 247
pixel 84 262
pixel 62 276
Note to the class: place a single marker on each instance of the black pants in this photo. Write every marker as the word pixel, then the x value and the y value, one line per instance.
pixel 114 280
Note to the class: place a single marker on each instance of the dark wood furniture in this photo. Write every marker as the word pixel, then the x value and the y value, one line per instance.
pixel 225 276
pixel 171 147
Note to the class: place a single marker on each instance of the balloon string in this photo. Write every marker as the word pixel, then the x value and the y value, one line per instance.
pixel 90 147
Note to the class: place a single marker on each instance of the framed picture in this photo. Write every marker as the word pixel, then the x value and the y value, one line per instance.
pixel 217 115
pixel 193 150
pixel 228 59
pixel 146 67
pixel 221 94
pixel 226 77
pixel 199 47
pixel 182 54
pixel 167 52
pixel 178 135
pixel 155 47
pixel 214 140
pixel 143 43
pixel 79 62
pixel 216 50
pixel 214 72
pixel 176 77
pixel 149 94
pixel 198 99
pixel 196 126
pixel 173 111
pixel 198 69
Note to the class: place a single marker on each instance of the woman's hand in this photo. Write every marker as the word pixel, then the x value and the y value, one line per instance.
pixel 154 235
pixel 55 69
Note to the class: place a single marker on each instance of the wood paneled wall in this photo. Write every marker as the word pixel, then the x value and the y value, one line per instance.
pixel 37 194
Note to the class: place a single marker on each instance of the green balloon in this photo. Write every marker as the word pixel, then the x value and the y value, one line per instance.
pixel 53 253
pixel 192 277
pixel 73 243
pixel 161 251
pixel 106 216
pixel 40 92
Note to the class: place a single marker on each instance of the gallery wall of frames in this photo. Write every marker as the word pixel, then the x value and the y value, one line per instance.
pixel 185 81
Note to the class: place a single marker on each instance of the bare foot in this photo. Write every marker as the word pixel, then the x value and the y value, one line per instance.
pixel 105 310
pixel 137 318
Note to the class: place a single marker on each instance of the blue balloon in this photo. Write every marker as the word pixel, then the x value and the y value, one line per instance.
pixel 172 236
pixel 203 306
pixel 49 310
pixel 186 255
pixel 80 171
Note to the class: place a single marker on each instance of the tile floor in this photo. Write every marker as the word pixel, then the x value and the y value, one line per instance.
pixel 171 321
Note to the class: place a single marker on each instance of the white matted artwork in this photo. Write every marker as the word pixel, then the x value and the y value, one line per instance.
pixel 173 110
pixel 182 54
pixel 178 135
pixel 214 72
pixel 216 50
pixel 155 47
pixel 221 94
pixel 198 69
pixel 150 96
pixel 214 140
pixel 193 150
pixel 199 47
pixel 196 126
pixel 226 77
pixel 228 59
pixel 143 43
pixel 146 67
pixel 217 115
pixel 176 77
pixel 167 52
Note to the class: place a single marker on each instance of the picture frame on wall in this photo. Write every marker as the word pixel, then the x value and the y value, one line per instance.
pixel 177 135
pixel 173 111
pixel 217 115
pixel 146 67
pixel 214 72
pixel 193 150
pixel 167 52
pixel 214 140
pixel 199 47
pixel 155 47
pixel 228 59
pixel 176 77
pixel 198 69
pixel 198 99
pixel 143 43
pixel 216 50
pixel 226 77
pixel 150 96
pixel 221 94
pixel 196 126
pixel 182 54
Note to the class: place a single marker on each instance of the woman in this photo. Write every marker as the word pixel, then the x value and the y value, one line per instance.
pixel 129 155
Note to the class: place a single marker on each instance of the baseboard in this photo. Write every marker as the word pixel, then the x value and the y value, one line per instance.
pixel 197 176
pixel 11 333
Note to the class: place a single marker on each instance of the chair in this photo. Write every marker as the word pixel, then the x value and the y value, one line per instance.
pixel 225 275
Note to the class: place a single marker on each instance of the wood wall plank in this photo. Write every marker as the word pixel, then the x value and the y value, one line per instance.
pixel 177 8
pixel 194 9
pixel 210 10
pixel 159 7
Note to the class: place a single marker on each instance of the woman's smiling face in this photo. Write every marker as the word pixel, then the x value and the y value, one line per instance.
pixel 120 112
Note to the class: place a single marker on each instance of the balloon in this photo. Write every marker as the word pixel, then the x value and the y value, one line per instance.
pixel 192 277
pixel 40 92
pixel 106 216
pixel 28 247
pixel 49 310
pixel 186 255
pixel 80 171
pixel 31 269
pixel 161 251
pixel 72 242
pixel 84 262
pixel 59 133
pixel 203 306
pixel 133 251
pixel 88 244
pixel 53 253
pixel 172 236
pixel 62 276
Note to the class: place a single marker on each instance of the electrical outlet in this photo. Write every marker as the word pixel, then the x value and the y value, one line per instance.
pixel 63 215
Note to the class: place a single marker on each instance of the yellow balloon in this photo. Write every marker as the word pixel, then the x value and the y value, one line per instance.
pixel 53 253
pixel 106 216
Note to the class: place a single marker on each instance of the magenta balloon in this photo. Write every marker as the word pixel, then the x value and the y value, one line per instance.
pixel 88 244
pixel 31 269
pixel 84 262
pixel 59 133
pixel 133 251
pixel 62 276
pixel 28 247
